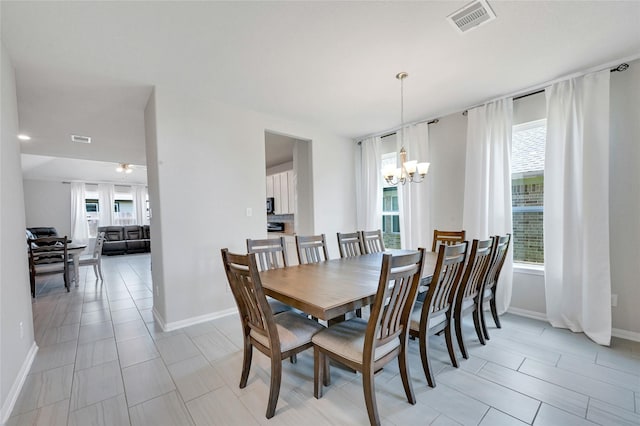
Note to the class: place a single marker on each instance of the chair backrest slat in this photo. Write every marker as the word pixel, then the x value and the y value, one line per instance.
pixel 446 277
pixel 350 244
pixel 97 251
pixel 312 249
pixel 397 291
pixel 476 270
pixel 500 254
pixel 372 241
pixel 270 253
pixel 447 238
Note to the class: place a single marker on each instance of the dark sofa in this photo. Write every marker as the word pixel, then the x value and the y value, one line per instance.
pixel 125 239
pixel 43 231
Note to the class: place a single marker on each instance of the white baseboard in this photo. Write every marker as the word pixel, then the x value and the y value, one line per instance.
pixel 14 392
pixel 175 325
pixel 624 334
pixel 528 314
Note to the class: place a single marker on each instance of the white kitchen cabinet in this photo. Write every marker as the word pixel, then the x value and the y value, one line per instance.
pixel 281 187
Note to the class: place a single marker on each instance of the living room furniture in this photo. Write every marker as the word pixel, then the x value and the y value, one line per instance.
pixel 125 239
pixel 95 259
pixel 48 255
pixel 446 237
pixel 350 244
pixel 372 241
pixel 43 231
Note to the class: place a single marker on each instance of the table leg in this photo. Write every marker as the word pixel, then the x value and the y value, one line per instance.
pixel 76 268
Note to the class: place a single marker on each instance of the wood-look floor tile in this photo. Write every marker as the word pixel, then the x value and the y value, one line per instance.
pixel 54 356
pixel 125 315
pixel 443 420
pixel 607 414
pixel 45 388
pixel 552 416
pixel 130 330
pixel 146 380
pixel 498 418
pixel 220 407
pixel 55 335
pixel 177 348
pixel 535 388
pixel 94 317
pixel 167 409
pixel 452 403
pixel 146 303
pixel 96 384
pixel 214 345
pixel 99 305
pixel 510 402
pixel 195 377
pixel 615 395
pixel 49 415
pixel 136 350
pixel 600 372
pixel 619 360
pixel 98 331
pixel 95 353
pixel 110 412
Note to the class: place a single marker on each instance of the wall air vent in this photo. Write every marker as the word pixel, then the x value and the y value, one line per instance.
pixel 80 139
pixel 471 16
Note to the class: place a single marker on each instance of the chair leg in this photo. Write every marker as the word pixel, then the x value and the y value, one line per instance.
pixel 359 312
pixel 460 337
pixel 246 362
pixel 32 282
pixel 100 271
pixel 293 359
pixel 404 374
pixel 478 325
pixel 318 371
pixel 368 383
pixel 448 331
pixel 274 390
pixel 483 322
pixel 426 362
pixel 494 311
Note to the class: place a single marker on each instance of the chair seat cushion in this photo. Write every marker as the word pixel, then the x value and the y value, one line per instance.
pixel 417 313
pixel 347 340
pixel 467 303
pixel 293 330
pixel 487 293
pixel 277 306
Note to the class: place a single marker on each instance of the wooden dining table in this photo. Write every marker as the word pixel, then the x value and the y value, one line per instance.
pixel 330 289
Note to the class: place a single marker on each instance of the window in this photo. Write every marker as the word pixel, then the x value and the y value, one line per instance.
pixel 390 209
pixel 527 191
pixel 92 208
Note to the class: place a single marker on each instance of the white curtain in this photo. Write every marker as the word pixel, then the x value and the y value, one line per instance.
pixel 576 206
pixel 140 204
pixel 369 185
pixel 415 218
pixel 106 198
pixel 79 225
pixel 487 187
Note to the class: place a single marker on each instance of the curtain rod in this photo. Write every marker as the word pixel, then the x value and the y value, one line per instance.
pixel 394 130
pixel 68 182
pixel 540 88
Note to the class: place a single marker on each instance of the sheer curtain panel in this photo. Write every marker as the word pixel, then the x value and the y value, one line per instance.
pixel 106 198
pixel 487 186
pixel 140 204
pixel 369 184
pixel 79 224
pixel 576 206
pixel 415 217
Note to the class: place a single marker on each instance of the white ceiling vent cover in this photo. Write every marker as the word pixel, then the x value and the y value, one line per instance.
pixel 80 139
pixel 471 16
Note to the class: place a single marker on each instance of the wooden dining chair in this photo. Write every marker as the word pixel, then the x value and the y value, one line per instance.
pixel 48 255
pixel 470 289
pixel 446 237
pixel 270 253
pixel 95 259
pixel 372 241
pixel 435 314
pixel 491 281
pixel 350 244
pixel 278 336
pixel 311 249
pixel 367 346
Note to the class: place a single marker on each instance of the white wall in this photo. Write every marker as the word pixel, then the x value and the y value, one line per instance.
pixel 210 167
pixel 48 203
pixel 16 352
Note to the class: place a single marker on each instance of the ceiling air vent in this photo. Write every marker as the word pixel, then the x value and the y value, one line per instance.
pixel 80 139
pixel 471 16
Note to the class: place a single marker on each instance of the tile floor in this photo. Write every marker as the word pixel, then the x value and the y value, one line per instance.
pixel 102 361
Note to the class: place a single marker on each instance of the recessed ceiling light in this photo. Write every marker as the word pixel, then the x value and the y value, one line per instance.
pixel 24 137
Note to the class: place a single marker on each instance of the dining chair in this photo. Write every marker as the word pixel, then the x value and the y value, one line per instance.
pixel 468 296
pixel 270 253
pixel 367 346
pixel 311 249
pixel 48 255
pixel 350 244
pixel 372 241
pixel 446 237
pixel 434 315
pixel 277 336
pixel 491 281
pixel 95 259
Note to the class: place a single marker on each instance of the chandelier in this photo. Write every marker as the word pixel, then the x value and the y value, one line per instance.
pixel 409 171
pixel 124 168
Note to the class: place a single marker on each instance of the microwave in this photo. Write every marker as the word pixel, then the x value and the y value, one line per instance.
pixel 270 205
